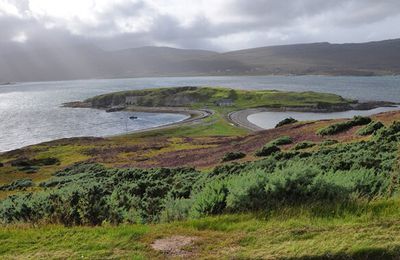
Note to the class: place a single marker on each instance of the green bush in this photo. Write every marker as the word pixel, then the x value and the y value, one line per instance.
pixel 388 133
pixel 304 145
pixel 370 128
pixel 231 156
pixel 300 183
pixel 18 184
pixel 246 192
pixel 267 150
pixel 282 141
pixel 176 209
pixel 286 121
pixel 344 126
pixel 211 200
pixel 25 162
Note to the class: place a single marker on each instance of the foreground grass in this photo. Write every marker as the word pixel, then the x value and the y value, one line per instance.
pixel 366 231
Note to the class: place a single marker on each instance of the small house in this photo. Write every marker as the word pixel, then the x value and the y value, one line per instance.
pixel 224 102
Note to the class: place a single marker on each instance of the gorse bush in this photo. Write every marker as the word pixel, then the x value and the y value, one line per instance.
pixel 24 162
pixel 370 128
pixel 18 184
pixel 267 150
pixel 299 183
pixel 388 134
pixel 231 156
pixel 286 121
pixel 344 126
pixel 246 191
pixel 91 194
pixel 211 200
pixel 282 141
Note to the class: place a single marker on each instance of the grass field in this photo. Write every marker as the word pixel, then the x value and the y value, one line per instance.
pixel 368 231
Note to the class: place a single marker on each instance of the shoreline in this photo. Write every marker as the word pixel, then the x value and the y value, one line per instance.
pixel 240 117
pixel 237 118
pixel 194 117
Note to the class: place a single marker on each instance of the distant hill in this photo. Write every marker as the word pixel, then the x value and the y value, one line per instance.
pixel 373 58
pixel 18 63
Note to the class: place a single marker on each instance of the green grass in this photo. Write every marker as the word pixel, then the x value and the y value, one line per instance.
pixel 200 97
pixel 370 229
pixel 215 125
pixel 77 242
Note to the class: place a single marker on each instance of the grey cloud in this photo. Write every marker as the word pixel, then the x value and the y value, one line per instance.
pixel 255 22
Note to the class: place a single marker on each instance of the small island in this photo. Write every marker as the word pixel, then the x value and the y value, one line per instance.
pixel 230 106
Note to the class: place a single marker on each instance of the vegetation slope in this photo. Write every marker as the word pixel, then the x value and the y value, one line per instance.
pixel 336 196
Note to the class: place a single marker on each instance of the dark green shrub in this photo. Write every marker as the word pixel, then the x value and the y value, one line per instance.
pixel 287 155
pixel 370 128
pixel 286 121
pixel 282 141
pixel 211 200
pixel 304 145
pixel 231 156
pixel 360 120
pixel 225 170
pixel 25 162
pixel 344 126
pixel 388 132
pixel 18 184
pixel 299 184
pixel 246 192
pixel 28 169
pixel 267 150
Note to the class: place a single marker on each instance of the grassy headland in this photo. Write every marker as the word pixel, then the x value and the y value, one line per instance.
pixel 335 197
pixel 200 97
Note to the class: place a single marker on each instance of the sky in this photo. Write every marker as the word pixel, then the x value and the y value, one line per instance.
pixel 220 25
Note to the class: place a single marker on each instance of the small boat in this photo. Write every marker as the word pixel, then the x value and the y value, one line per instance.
pixel 133 117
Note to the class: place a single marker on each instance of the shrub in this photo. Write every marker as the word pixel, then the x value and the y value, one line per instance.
pixel 370 128
pixel 28 169
pixel 211 200
pixel 267 150
pixel 299 183
pixel 231 156
pixel 18 184
pixel 1 164
pixel 246 191
pixel 386 132
pixel 176 209
pixel 344 126
pixel 25 162
pixel 286 121
pixel 282 141
pixel 304 145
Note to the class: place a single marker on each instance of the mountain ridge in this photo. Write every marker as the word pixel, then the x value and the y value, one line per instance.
pixel 19 63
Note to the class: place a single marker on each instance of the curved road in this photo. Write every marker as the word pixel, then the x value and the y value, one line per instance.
pixel 239 118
